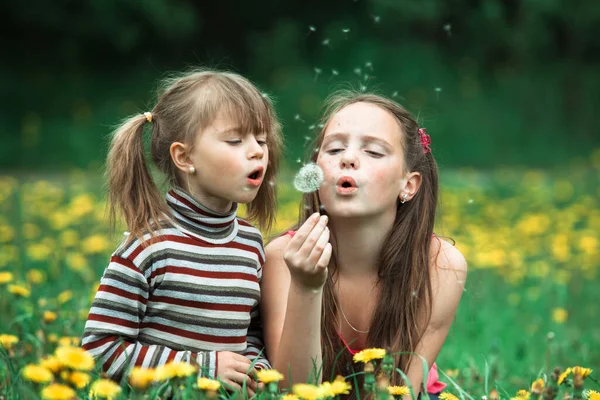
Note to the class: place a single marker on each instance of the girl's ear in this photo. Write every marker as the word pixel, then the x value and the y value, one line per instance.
pixel 411 186
pixel 180 156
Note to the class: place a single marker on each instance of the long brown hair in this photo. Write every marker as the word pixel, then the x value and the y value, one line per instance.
pixel 404 304
pixel 186 104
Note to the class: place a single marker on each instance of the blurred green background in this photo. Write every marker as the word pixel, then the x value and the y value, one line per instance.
pixel 495 82
pixel 508 91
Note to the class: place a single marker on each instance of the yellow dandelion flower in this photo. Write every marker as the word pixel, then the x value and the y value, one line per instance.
pixel 447 396
pixel 174 370
pixel 398 390
pixel 537 386
pixel 269 375
pixel 367 355
pixel 49 316
pixel 7 341
pixel 39 251
pixel 140 378
pixel 564 375
pixel 42 302
pixel 77 261
pixel 523 394
pixel 19 290
pixel 591 395
pixel 35 276
pixel 307 391
pixel 75 358
pixel 95 244
pixel 69 341
pixel 584 372
pixel 289 396
pixel 79 379
pixel 69 238
pixel 37 374
pixel 65 296
pixel 6 277
pixel 52 363
pixel 335 388
pixel 559 315
pixel 104 389
pixel 208 384
pixel 57 391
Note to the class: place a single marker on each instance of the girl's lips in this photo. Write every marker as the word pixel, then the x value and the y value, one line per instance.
pixel 346 190
pixel 346 185
pixel 255 177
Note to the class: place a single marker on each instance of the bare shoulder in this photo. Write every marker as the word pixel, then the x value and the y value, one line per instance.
pixel 446 257
pixel 274 249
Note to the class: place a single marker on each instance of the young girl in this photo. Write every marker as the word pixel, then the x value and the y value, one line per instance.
pixel 368 272
pixel 184 285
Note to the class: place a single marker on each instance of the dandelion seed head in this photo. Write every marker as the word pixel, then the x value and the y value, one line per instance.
pixel 309 178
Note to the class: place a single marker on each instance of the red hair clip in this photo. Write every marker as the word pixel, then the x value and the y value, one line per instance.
pixel 425 140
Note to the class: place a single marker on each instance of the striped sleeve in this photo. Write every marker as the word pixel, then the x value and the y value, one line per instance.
pixel 114 322
pixel 256 347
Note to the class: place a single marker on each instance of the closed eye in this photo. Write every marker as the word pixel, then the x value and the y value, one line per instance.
pixel 234 141
pixel 333 151
pixel 374 153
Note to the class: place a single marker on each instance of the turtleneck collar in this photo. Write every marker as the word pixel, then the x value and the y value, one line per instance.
pixel 196 220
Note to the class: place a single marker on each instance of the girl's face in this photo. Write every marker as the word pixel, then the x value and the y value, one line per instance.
pixel 230 164
pixel 362 161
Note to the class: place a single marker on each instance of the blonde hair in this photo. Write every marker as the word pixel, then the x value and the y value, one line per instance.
pixel 186 104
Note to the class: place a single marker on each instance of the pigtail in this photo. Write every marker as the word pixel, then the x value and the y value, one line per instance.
pixel 131 189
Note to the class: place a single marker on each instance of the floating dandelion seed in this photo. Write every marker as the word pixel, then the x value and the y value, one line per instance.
pixel 317 72
pixel 326 43
pixel 309 178
pixel 334 72
pixel 363 88
pixel 437 92
pixel 272 182
pixel 358 71
pixel 376 19
pixel 310 128
pixel 298 160
pixel 298 118
pixel 448 29
pixel 369 65
pixel 316 150
pixel 321 126
pixel 306 139
pixel 312 28
pixel 470 201
pixel 345 31
pixel 395 94
pixel 366 77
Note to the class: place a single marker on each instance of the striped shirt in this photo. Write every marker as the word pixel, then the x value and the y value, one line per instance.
pixel 187 294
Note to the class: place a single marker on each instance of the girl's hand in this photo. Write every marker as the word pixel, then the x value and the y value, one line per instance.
pixel 233 369
pixel 307 255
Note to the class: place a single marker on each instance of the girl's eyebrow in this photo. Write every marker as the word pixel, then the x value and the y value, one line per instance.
pixel 233 129
pixel 365 138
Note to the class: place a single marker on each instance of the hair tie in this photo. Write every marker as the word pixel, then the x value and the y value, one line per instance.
pixel 148 116
pixel 425 140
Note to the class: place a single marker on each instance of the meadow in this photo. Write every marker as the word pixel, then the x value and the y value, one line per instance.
pixel 530 238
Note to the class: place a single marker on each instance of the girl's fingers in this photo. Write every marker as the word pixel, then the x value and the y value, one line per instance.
pixel 314 236
pixel 301 234
pixel 319 247
pixel 325 257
